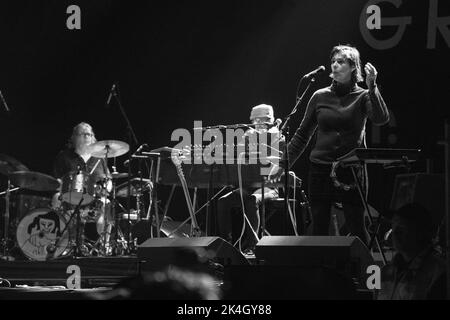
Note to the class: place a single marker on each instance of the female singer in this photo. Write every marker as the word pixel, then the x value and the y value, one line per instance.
pixel 338 115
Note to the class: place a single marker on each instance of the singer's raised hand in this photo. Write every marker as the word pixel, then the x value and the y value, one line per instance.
pixel 371 74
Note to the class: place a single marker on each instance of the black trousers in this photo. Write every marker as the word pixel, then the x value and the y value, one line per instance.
pixel 229 215
pixel 323 194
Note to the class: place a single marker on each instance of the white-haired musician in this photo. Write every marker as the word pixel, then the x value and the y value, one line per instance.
pixel 229 224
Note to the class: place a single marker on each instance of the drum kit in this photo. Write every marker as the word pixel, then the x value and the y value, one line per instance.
pixel 79 219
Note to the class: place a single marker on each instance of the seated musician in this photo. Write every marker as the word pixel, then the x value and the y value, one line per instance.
pixel 77 158
pixel 261 115
pixel 417 270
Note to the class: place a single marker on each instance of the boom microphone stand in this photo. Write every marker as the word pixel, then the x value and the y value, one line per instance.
pixel 132 141
pixel 285 131
pixel 6 222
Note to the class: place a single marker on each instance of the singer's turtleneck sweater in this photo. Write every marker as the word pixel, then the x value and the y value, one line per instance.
pixel 339 114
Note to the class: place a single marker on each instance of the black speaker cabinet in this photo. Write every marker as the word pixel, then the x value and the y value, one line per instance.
pixel 165 251
pixel 348 255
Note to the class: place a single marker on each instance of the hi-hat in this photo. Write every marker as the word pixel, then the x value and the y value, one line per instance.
pixel 34 181
pixel 9 164
pixel 108 148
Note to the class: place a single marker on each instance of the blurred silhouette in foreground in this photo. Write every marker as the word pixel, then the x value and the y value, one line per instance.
pixel 189 277
pixel 417 271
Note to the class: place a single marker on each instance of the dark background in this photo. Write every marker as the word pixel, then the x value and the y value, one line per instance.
pixel 176 62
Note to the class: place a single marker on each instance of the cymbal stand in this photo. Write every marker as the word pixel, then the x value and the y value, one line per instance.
pixel 76 251
pixel 6 222
pixel 107 228
pixel 139 191
pixel 119 235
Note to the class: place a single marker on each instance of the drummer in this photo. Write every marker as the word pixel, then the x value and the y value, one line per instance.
pixel 77 157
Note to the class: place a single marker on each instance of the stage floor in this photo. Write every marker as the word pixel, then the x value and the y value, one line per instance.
pixel 50 280
pixel 94 271
pixel 42 280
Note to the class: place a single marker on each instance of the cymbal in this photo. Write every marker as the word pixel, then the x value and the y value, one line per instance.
pixel 109 148
pixel 34 181
pixel 9 164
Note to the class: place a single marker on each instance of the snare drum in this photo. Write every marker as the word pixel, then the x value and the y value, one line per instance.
pixel 39 234
pixel 77 187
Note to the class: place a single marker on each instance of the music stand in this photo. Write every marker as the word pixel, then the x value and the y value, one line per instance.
pixel 359 157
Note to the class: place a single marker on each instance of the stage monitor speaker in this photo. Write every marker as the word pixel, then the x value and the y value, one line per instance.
pixel 165 251
pixel 347 255
pixel 426 189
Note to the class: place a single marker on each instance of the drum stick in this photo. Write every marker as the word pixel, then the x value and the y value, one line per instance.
pixel 98 161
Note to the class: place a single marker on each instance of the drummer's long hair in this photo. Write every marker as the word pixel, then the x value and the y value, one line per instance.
pixel 71 141
pixel 51 215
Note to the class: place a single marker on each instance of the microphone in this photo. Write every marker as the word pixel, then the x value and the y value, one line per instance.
pixel 3 101
pixel 276 123
pixel 140 148
pixel 313 73
pixel 127 162
pixel 111 93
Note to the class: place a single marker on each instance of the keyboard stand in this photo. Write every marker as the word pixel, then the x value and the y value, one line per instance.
pixel 374 236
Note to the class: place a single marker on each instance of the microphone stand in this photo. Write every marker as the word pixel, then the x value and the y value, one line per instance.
pixel 5 240
pixel 9 189
pixel 131 139
pixel 4 102
pixel 76 251
pixel 285 131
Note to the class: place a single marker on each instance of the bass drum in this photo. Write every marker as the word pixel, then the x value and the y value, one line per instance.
pixel 39 234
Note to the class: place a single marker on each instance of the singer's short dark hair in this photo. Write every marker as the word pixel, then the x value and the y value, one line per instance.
pixel 353 58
